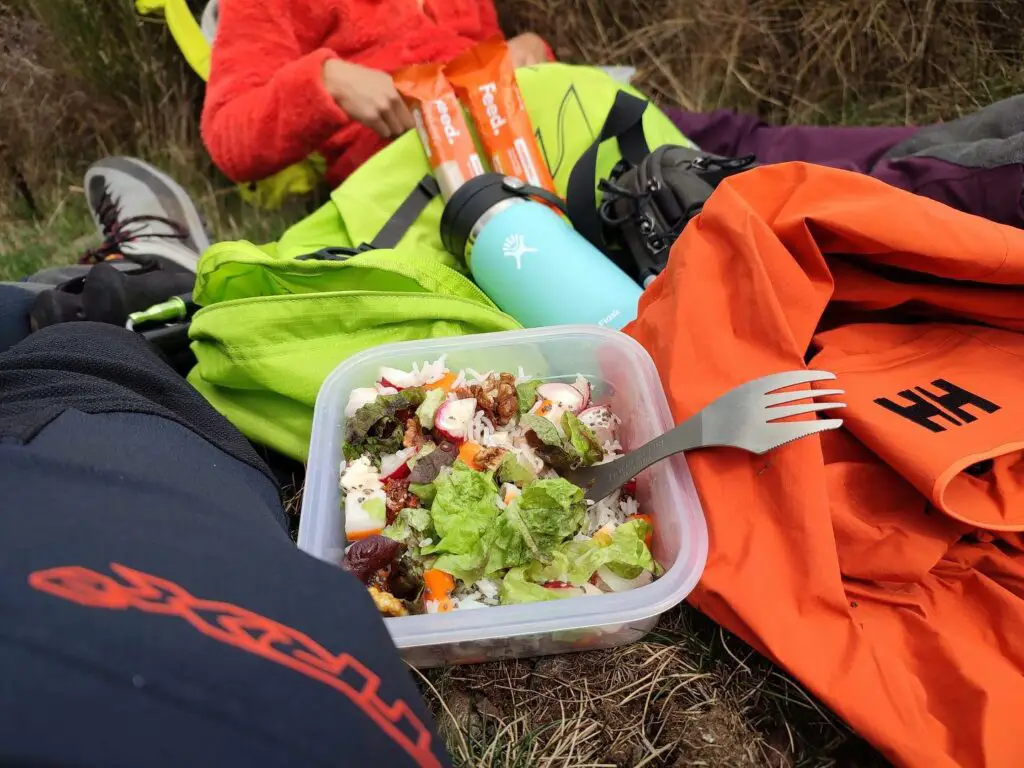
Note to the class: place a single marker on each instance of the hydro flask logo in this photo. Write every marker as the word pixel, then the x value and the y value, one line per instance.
pixel 937 411
pixel 515 248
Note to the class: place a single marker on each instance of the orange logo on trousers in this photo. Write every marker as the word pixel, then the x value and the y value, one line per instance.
pixel 249 632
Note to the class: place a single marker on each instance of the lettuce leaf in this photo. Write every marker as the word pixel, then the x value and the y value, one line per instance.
pixel 582 439
pixel 383 408
pixel 464 514
pixel 409 519
pixel 511 470
pixel 375 429
pixel 575 562
pixel 428 408
pixel 375 446
pixel 544 429
pixel 425 492
pixel 527 394
pixel 535 523
pixel 516 588
pixel 552 510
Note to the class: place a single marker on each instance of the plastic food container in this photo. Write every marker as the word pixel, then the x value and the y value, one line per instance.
pixel 622 374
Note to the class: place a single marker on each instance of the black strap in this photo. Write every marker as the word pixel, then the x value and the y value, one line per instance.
pixel 527 191
pixel 394 229
pixel 624 122
pixel 410 209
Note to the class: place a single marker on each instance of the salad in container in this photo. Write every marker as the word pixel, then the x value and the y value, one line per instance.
pixel 455 498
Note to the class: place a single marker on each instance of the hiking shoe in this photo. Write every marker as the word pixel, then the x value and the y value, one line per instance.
pixel 143 214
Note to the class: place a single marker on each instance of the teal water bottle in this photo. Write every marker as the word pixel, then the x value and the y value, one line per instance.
pixel 530 261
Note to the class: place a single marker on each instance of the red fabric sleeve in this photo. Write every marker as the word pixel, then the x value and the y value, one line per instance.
pixel 266 106
pixel 489 20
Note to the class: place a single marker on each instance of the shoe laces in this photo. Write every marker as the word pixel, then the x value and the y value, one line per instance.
pixel 118 231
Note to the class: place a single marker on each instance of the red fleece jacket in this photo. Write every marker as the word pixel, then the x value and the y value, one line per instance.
pixel 266 107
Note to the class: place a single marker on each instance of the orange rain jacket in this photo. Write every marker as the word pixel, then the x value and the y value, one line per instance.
pixel 882 564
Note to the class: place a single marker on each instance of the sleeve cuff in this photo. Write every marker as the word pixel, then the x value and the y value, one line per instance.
pixel 301 82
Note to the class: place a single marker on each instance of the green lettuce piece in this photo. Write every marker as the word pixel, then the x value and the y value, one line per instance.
pixel 511 470
pixel 428 408
pixel 527 394
pixel 582 439
pixel 374 429
pixel 576 562
pixel 552 510
pixel 383 408
pixel 375 446
pixel 419 518
pixel 425 492
pixel 534 524
pixel 409 520
pixel 398 530
pixel 544 429
pixel 556 569
pixel 376 509
pixel 629 554
pixel 464 513
pixel 516 588
pixel 544 438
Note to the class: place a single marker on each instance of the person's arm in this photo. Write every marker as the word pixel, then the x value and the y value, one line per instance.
pixel 266 104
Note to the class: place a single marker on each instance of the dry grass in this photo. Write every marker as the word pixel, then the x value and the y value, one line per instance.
pixel 690 694
pixel 84 78
pixel 812 61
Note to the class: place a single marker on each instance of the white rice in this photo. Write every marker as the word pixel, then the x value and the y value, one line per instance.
pixel 629 506
pixel 466 604
pixel 489 588
pixel 477 378
pixel 606 511
pixel 480 429
pixel 429 372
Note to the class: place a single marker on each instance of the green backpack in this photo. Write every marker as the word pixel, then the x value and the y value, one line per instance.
pixel 277 319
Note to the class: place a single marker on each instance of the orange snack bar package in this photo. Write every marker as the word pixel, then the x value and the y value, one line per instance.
pixel 485 81
pixel 441 125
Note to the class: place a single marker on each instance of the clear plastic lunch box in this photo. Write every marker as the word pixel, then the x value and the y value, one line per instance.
pixel 623 375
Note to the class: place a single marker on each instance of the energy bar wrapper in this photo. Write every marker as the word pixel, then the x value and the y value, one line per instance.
pixel 441 125
pixel 485 81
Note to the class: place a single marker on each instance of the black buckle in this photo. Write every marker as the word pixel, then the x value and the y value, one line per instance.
pixel 335 253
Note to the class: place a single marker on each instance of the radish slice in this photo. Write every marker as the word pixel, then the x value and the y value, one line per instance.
pixel 582 386
pixel 394 466
pixel 601 422
pixel 564 396
pixel 392 377
pixel 619 584
pixel 453 419
pixel 357 398
pixel 365 513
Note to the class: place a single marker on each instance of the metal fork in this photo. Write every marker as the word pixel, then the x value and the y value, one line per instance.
pixel 746 417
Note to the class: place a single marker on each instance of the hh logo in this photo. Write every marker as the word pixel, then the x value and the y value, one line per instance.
pixel 940 407
pixel 515 247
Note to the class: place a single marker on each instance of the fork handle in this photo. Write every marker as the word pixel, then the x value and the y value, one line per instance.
pixel 681 438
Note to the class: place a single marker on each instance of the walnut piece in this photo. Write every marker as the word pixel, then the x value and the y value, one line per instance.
pixel 413 434
pixel 387 604
pixel 398 498
pixel 489 458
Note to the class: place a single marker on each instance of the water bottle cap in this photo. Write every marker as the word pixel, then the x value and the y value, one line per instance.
pixel 469 203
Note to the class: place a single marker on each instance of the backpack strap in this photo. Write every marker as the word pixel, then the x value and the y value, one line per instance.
pixel 624 123
pixel 402 220
pixel 394 229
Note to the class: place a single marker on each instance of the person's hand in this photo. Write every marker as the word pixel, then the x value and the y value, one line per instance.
pixel 368 96
pixel 527 49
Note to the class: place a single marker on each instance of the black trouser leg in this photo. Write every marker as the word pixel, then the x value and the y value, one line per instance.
pixel 152 609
